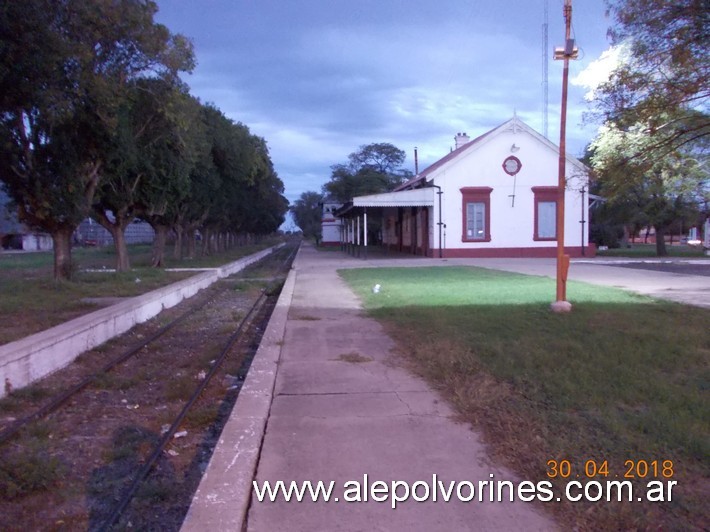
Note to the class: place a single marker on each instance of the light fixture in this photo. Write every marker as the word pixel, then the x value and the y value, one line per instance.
pixel 514 148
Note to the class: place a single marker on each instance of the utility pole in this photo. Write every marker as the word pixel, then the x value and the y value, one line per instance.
pixel 565 54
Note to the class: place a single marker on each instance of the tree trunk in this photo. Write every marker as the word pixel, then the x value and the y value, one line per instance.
pixel 61 239
pixel 661 250
pixel 206 237
pixel 119 242
pixel 190 235
pixel 158 252
pixel 625 237
pixel 177 250
pixel 117 228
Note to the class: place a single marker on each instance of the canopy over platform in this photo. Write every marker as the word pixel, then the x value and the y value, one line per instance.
pixel 420 197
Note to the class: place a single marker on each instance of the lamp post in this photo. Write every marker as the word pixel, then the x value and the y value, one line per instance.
pixel 565 54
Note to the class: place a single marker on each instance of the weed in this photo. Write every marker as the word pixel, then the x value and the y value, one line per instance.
pixel 130 443
pixel 39 431
pixel 28 469
pixel 305 317
pixel 157 490
pixel 32 393
pixel 180 389
pixel 353 358
pixel 112 381
pixel 201 416
pixel 274 289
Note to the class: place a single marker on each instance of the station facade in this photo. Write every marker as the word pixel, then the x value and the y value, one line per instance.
pixel 493 196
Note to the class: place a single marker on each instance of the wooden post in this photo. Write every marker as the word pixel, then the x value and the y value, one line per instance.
pixel 561 304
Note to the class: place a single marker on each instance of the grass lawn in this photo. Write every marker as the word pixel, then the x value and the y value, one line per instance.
pixel 31 301
pixel 649 250
pixel 621 378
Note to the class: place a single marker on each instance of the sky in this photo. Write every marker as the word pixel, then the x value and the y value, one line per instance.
pixel 317 79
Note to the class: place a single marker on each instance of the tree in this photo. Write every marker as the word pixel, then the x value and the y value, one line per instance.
pixel 374 168
pixel 149 160
pixel 308 213
pixel 663 81
pixel 64 69
pixel 260 207
pixel 657 193
pixel 648 155
pixel 233 186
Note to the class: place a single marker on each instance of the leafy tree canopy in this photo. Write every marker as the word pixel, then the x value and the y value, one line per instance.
pixel 663 80
pixel 653 192
pixel 65 66
pixel 308 213
pixel 649 157
pixel 372 169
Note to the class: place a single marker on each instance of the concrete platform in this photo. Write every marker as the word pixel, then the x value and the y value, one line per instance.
pixel 29 359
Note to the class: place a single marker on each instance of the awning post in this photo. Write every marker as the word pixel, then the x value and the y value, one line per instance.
pixel 365 230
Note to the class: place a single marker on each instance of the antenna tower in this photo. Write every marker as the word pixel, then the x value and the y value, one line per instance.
pixel 545 87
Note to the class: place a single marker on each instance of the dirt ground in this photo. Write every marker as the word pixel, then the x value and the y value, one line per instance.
pixel 69 470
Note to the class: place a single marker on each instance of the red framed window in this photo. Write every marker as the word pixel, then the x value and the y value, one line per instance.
pixel 476 210
pixel 545 213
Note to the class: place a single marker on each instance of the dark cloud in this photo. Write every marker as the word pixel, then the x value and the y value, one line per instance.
pixel 318 78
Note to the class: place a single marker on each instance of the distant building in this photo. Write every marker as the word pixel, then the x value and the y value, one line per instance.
pixel 16 235
pixel 91 233
pixel 330 224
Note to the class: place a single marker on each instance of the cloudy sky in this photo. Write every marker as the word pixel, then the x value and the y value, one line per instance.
pixel 319 78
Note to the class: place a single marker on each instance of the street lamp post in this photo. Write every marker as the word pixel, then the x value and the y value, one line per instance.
pixel 565 54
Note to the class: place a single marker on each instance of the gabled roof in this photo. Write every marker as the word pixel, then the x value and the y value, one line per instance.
pixel 514 123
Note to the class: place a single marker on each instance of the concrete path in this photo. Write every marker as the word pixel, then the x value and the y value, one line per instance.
pixel 343 408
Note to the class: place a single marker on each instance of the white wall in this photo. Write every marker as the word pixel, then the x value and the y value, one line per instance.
pixel 331 232
pixel 510 226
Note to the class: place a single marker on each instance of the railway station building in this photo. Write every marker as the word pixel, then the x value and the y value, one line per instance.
pixel 493 196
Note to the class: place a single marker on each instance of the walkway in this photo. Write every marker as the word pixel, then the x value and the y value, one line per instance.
pixel 343 409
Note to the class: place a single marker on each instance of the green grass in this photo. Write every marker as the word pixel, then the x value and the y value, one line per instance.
pixel 649 250
pixel 28 469
pixel 621 377
pixel 31 301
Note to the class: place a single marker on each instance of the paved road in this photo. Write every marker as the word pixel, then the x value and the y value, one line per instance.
pixel 684 268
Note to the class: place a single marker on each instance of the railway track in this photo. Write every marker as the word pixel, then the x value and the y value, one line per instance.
pixel 120 439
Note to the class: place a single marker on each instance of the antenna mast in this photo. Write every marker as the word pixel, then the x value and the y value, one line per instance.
pixel 545 86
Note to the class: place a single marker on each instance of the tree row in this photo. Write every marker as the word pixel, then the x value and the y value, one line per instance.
pixel 95 121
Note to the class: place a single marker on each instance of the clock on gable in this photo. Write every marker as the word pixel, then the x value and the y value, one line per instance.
pixel 512 165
